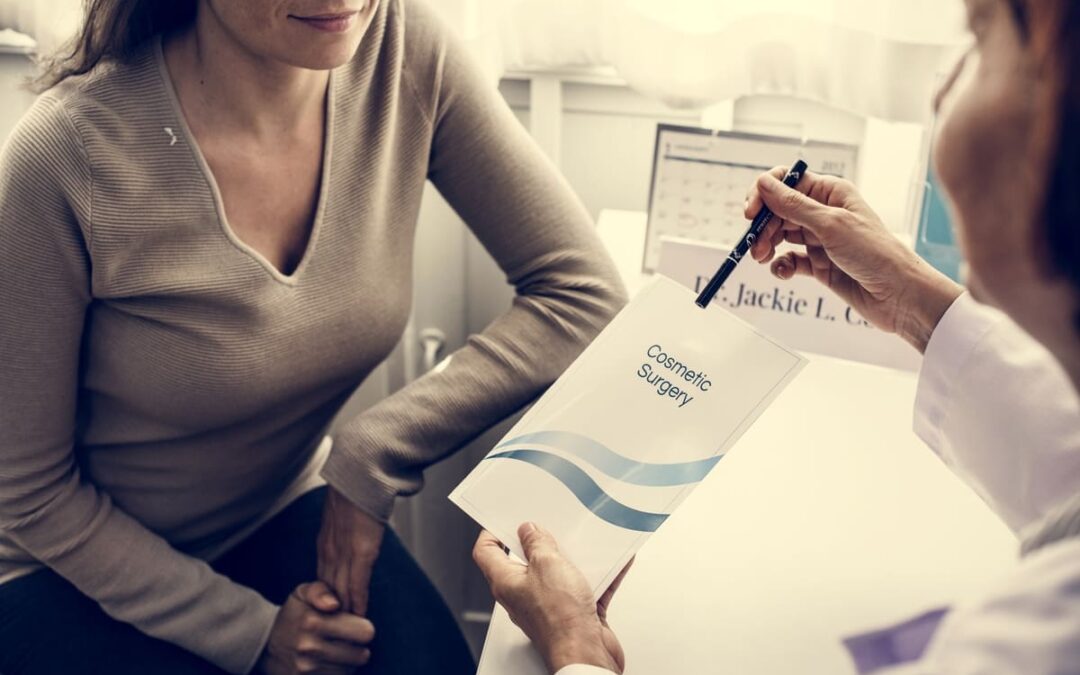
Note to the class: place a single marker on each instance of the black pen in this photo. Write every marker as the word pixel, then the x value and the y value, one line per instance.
pixel 756 228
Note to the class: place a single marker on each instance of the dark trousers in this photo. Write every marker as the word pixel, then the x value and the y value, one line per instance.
pixel 47 627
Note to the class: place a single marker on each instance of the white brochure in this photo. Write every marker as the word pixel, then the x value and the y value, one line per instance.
pixel 628 431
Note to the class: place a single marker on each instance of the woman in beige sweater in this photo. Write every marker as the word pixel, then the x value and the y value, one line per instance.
pixel 206 235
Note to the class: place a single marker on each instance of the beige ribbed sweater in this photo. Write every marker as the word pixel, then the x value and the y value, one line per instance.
pixel 163 388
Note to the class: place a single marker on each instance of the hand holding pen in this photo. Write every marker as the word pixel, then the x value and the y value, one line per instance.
pixel 841 242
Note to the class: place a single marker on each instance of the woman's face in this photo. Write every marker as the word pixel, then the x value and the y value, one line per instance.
pixel 314 34
pixel 992 157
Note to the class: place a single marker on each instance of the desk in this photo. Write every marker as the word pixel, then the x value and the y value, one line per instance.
pixel 828 517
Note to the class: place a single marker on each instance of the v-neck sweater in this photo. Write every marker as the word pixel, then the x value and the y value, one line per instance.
pixel 164 389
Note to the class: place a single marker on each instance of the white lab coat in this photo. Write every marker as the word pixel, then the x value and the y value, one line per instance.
pixel 1000 411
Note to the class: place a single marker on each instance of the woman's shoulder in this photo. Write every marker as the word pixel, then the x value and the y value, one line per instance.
pixel 56 134
pixel 111 111
pixel 405 34
pixel 400 55
pixel 43 164
pixel 425 27
pixel 429 37
pixel 431 47
pixel 113 92
pixel 44 139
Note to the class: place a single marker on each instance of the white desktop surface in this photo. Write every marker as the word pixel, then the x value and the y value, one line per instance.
pixel 828 518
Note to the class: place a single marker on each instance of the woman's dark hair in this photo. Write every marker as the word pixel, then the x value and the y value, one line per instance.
pixel 1062 210
pixel 113 29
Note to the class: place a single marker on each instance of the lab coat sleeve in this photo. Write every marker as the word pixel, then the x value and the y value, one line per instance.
pixel 1000 411
pixel 1028 624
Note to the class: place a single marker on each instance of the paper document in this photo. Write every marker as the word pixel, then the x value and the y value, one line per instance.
pixel 628 431
pixel 507 651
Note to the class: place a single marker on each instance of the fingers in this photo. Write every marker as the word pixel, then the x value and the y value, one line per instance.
pixel 347 627
pixel 342 653
pixel 790 264
pixel 794 207
pixel 490 557
pixel 797 235
pixel 821 263
pixel 318 596
pixel 753 197
pixel 324 641
pixel 307 664
pixel 340 626
pixel 775 233
pixel 777 236
pixel 331 652
pixel 536 542
pixel 764 248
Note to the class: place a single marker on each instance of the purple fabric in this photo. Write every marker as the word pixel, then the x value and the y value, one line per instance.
pixel 902 643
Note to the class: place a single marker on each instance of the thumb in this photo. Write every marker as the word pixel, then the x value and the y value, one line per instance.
pixel 793 206
pixel 535 541
pixel 319 596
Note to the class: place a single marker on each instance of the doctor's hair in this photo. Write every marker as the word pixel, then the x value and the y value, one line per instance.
pixel 112 30
pixel 1061 213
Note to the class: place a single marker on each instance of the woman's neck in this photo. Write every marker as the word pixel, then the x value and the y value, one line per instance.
pixel 236 90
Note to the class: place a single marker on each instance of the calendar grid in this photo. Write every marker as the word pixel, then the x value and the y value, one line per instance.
pixel 700 179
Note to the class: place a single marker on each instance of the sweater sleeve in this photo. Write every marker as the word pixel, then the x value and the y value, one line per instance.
pixel 47 506
pixel 528 218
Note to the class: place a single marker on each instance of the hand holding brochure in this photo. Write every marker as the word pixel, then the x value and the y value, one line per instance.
pixel 628 431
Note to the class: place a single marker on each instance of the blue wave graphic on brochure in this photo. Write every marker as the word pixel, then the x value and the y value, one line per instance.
pixel 608 462
pixel 615 465
pixel 591 495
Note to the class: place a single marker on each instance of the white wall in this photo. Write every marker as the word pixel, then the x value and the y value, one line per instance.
pixel 14 97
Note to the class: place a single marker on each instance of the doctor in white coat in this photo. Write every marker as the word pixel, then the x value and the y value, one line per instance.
pixel 997 395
